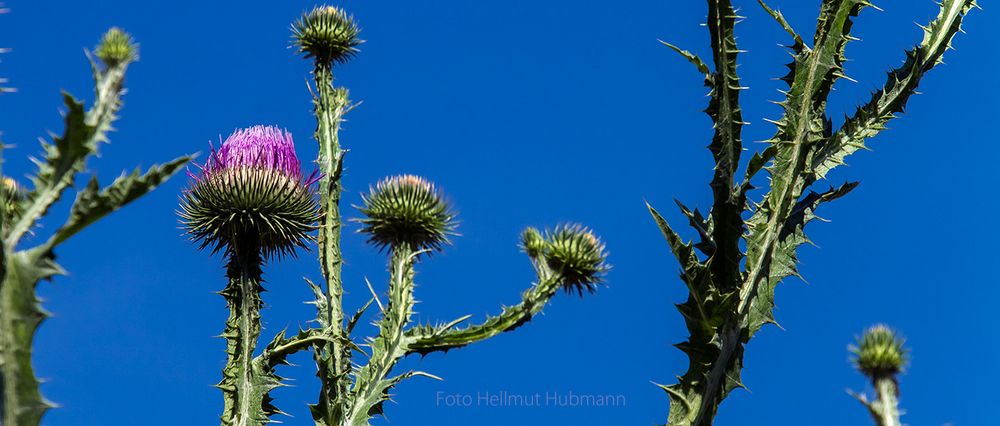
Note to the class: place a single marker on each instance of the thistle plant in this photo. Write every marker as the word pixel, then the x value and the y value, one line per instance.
pixel 731 290
pixel 880 355
pixel 28 256
pixel 251 203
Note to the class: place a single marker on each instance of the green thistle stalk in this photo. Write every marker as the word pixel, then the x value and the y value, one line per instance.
pixel 252 203
pixel 731 291
pixel 22 210
pixel 245 387
pixel 373 381
pixel 329 36
pixel 408 216
pixel 880 355
pixel 570 257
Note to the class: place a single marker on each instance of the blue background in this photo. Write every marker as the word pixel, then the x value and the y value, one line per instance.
pixel 526 113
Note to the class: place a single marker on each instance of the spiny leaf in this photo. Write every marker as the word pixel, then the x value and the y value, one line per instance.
pixel 63 159
pixel 93 203
pixel 682 251
pixel 725 308
pixel 799 45
pixel 803 126
pixel 426 339
pixel 19 318
pixel 67 155
pixel 351 323
pixel 726 147
pixel 784 262
pixel 694 60
pixel 371 383
pixel 703 226
pixel 705 312
pixel 557 267
pixel 20 314
pixel 871 118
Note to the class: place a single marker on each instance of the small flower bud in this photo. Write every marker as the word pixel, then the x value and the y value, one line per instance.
pixel 116 47
pixel 879 352
pixel 578 256
pixel 532 242
pixel 327 34
pixel 406 211
pixel 251 188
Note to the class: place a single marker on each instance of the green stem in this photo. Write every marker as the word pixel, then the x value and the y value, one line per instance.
pixel 79 141
pixel 885 410
pixel 20 313
pixel 20 316
pixel 425 340
pixel 243 388
pixel 371 388
pixel 334 356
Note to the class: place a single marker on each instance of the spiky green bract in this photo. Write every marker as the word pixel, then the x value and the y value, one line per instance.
pixel 533 243
pixel 227 205
pixel 731 291
pixel 117 46
pixel 327 34
pixel 406 211
pixel 12 196
pixel 577 256
pixel 879 352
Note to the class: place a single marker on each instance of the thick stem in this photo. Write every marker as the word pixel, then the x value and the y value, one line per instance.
pixel 334 356
pixel 886 409
pixel 373 383
pixel 242 385
pixel 20 316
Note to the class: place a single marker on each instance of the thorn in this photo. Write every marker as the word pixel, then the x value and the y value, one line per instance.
pixel 456 322
pixel 375 295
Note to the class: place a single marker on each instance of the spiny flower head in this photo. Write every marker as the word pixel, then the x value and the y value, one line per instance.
pixel 251 191
pixel 406 211
pixel 879 352
pixel 575 253
pixel 327 34
pixel 117 46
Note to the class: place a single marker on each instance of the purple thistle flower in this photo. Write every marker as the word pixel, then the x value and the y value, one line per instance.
pixel 264 147
pixel 251 190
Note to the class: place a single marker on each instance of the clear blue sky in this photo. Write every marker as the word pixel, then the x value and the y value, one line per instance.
pixel 526 113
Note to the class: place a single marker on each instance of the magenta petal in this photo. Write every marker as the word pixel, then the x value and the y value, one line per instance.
pixel 258 146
